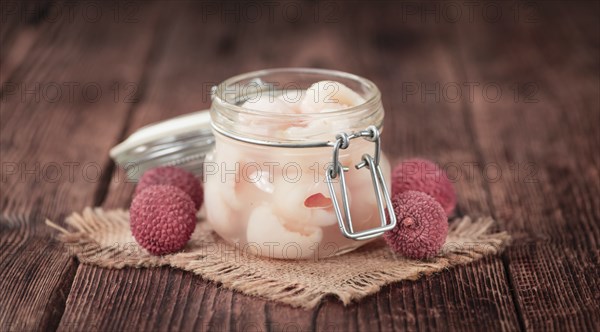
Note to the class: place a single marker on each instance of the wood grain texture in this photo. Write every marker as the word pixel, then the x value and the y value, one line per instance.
pixel 546 280
pixel 206 305
pixel 331 315
pixel 435 130
pixel 47 141
pixel 21 25
pixel 551 203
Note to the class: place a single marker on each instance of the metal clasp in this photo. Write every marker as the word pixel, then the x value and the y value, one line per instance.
pixel 381 193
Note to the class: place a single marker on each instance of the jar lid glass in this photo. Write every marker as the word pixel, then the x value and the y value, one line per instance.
pixel 182 141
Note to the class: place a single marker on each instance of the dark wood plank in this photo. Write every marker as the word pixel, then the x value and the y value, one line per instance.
pixel 553 266
pixel 399 57
pixel 189 46
pixel 21 24
pixel 288 45
pixel 468 297
pixel 46 143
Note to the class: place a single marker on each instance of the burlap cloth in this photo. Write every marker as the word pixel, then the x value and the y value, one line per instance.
pixel 103 238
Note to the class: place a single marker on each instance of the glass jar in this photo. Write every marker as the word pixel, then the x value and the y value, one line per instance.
pixel 296 185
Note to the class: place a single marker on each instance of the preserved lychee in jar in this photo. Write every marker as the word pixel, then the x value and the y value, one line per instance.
pixel 296 172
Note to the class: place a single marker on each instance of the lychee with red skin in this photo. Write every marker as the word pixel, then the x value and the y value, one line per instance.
pixel 162 219
pixel 421 227
pixel 425 176
pixel 173 176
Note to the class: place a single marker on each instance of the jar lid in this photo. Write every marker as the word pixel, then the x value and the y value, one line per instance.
pixel 182 141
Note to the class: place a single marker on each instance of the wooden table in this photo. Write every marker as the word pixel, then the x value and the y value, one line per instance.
pixel 504 95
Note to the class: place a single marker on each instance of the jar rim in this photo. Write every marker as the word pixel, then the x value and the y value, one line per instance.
pixel 373 96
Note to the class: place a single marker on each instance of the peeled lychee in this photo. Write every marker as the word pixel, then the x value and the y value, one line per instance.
pixel 422 226
pixel 173 176
pixel 162 219
pixel 425 176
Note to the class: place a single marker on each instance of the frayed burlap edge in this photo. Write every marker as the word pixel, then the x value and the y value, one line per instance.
pixel 103 238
